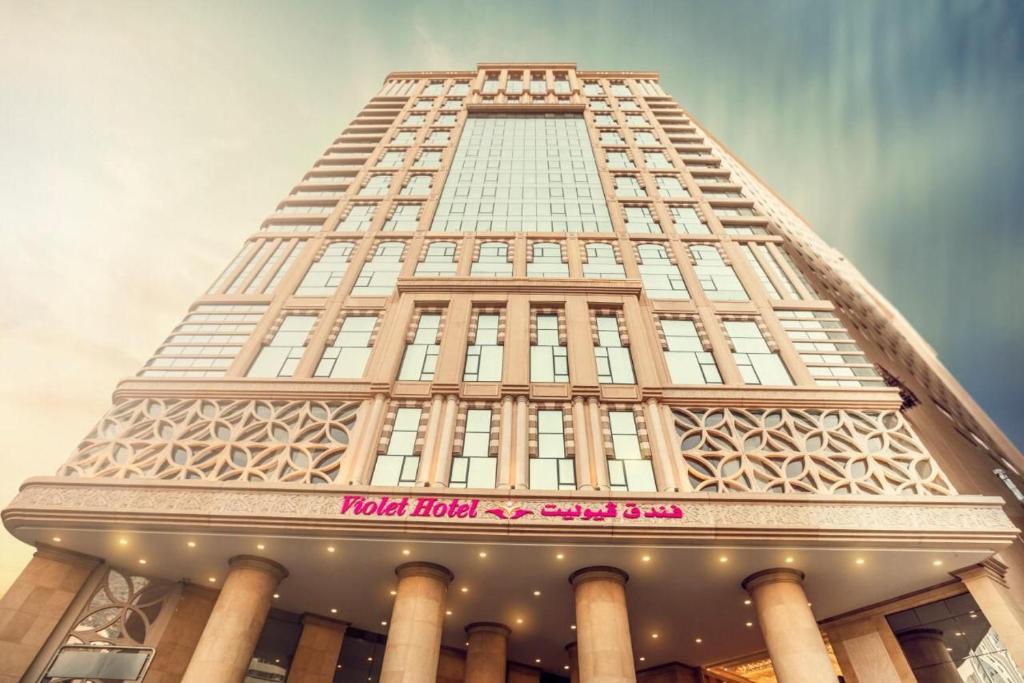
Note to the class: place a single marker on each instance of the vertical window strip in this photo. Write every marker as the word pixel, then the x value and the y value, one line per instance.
pixel 687 221
pixel 552 467
pixel 614 364
pixel 717 278
pixel 280 356
pixel 484 353
pixel 549 360
pixel 246 272
pixel 346 356
pixel 475 461
pixel 399 463
pixel 546 259
pixel 380 273
pixel 439 260
pixel 420 358
pixel 628 469
pixel 492 259
pixel 659 273
pixel 767 256
pixel 246 253
pixel 285 266
pixel 758 363
pixel 206 342
pixel 326 273
pixel 687 354
pixel 766 281
pixel 601 261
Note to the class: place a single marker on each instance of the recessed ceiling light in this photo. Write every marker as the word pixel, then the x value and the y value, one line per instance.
pixel 334 610
pixel 560 556
pixel 537 660
pixel 369 659
pixel 573 627
pixel 142 560
pixel 747 601
pixel 646 558
pixel 482 553
pixel 383 623
pixel 749 624
pixel 973 615
pixel 393 591
pixel 536 593
pixel 654 635
pixel 519 621
pixel 191 544
pixel 643 659
pixel 406 551
pixel 937 563
pixel 260 546
pixel 277 595
pixel 123 541
pixel 448 612
pixel 698 640
pixel 212 579
pixel 566 667
pixel 723 558
pixel 465 589
pixel 859 560
pixel 330 548
pixel 56 539
pixel 789 560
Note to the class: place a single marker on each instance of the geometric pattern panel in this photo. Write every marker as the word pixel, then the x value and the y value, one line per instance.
pixel 122 611
pixel 779 450
pixel 218 440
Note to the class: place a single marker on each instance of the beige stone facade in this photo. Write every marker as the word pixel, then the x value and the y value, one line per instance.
pixel 530 379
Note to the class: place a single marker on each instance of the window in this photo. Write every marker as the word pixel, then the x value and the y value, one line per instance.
pixel 645 138
pixel 403 137
pixel 827 349
pixel 492 261
pixel 415 120
pixel 451 105
pixel 732 229
pixel 490 84
pixel 206 342
pixel 379 274
pixel 760 255
pixel 669 187
pixel 392 159
pixel 599 105
pixel 656 160
pixel 628 186
pixel 347 356
pixel 609 137
pixel 614 364
pixel 418 184
pixel 433 88
pixel 438 137
pixel 620 90
pixel 358 218
pixel 546 261
pixel 376 186
pixel 428 159
pixel 552 469
pixel 591 89
pixel 1007 480
pixel 604 120
pixel 523 174
pixel 476 466
pixel 687 221
pixel 281 356
pixel 628 469
pixel 538 86
pixel 424 104
pixel 439 260
pixel 688 361
pixel 484 355
pixel 397 465
pixel 324 276
pixel 717 278
pixel 562 85
pixel 619 160
pixel 548 359
pixel 513 86
pixel 420 358
pixel 445 120
pixel 636 121
pixel 757 363
pixel 661 277
pixel 601 262
pixel 404 218
pixel 734 211
pixel 640 220
pixel 459 89
pixel 628 105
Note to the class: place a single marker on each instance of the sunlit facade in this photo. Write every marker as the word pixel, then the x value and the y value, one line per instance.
pixel 528 379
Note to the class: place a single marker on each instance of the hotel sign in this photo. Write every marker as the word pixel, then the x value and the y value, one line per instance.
pixel 432 507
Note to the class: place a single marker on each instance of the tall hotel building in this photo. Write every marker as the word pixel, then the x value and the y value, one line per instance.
pixel 529 379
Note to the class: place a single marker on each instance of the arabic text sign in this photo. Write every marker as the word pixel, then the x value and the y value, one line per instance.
pixel 386 507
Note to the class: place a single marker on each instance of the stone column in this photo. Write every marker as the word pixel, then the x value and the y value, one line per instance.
pixel 229 637
pixel 316 658
pixel 574 662
pixel 926 651
pixel 417 618
pixel 868 652
pixel 790 631
pixel 987 585
pixel 40 606
pixel 602 626
pixel 487 655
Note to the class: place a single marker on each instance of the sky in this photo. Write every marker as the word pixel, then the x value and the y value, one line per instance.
pixel 141 142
